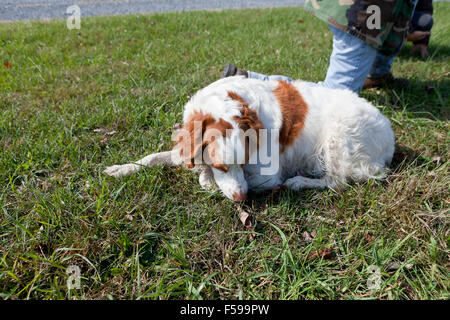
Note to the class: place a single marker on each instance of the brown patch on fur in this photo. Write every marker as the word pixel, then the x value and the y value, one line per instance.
pixel 199 138
pixel 293 109
pixel 234 96
pixel 248 120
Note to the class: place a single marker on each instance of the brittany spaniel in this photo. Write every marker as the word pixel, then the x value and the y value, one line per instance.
pixel 245 134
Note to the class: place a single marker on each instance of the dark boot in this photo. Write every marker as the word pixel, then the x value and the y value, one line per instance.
pixel 384 81
pixel 231 70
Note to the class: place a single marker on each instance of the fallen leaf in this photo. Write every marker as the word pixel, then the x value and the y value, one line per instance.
pixel 326 253
pixel 7 64
pixel 246 220
pixel 300 21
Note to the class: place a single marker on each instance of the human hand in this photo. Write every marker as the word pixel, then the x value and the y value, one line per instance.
pixel 417 35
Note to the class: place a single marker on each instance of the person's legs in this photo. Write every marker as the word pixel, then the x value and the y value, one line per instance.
pixel 231 70
pixel 381 68
pixel 350 62
pixel 380 74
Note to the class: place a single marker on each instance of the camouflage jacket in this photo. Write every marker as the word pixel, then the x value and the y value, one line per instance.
pixel 380 23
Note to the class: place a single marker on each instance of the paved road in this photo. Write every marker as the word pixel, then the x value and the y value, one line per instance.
pixel 45 9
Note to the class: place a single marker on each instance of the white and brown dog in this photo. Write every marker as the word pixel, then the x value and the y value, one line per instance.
pixel 246 134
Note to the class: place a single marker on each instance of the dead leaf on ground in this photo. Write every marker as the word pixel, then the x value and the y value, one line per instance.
pixel 246 220
pixel 7 64
pixel 326 253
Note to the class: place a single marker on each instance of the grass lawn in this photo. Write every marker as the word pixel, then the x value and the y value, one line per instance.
pixel 75 101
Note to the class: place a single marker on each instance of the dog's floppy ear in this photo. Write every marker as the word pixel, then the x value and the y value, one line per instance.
pixel 192 140
pixel 190 137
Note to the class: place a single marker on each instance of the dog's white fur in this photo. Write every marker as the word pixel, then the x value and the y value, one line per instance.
pixel 344 139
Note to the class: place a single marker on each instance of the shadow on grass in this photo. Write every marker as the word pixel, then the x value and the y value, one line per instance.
pixel 423 99
pixel 404 158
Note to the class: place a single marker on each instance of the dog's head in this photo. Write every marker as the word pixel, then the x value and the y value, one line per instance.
pixel 223 145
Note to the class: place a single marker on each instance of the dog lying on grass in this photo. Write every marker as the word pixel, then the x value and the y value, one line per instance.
pixel 245 134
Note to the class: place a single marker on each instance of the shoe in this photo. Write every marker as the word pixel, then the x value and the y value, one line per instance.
pixel 231 70
pixel 386 80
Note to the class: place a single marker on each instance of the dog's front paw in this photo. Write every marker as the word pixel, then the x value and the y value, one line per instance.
pixel 206 180
pixel 118 171
pixel 289 184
